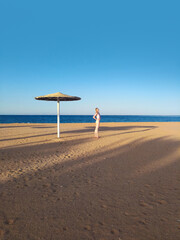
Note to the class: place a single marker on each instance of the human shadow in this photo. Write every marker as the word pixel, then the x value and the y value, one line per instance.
pixel 108 128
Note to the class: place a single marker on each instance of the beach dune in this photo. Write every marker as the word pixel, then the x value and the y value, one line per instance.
pixel 124 185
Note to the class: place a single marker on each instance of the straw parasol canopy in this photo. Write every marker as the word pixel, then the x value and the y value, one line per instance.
pixel 58 97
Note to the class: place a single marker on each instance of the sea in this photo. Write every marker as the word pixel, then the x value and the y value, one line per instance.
pixel 85 118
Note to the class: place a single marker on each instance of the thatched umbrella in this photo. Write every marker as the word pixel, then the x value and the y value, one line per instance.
pixel 58 97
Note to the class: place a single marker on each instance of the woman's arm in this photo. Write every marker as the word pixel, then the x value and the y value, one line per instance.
pixel 95 116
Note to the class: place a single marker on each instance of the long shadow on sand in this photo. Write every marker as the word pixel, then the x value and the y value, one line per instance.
pixel 107 128
pixel 26 126
pixel 89 129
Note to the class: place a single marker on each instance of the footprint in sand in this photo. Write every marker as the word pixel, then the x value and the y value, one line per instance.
pixel 163 219
pixel 101 223
pixel 10 221
pixel 104 206
pixel 161 202
pixel 87 227
pixel 115 231
pixel 68 156
pixel 152 194
pixel 142 222
pixel 46 185
pixel 144 204
pixel 65 228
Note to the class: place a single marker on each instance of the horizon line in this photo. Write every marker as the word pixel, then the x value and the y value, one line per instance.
pixel 174 115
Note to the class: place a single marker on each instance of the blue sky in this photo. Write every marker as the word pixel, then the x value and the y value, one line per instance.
pixel 122 56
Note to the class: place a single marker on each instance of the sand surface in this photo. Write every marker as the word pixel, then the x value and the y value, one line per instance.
pixel 123 186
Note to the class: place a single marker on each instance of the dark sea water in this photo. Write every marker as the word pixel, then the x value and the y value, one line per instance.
pixel 85 118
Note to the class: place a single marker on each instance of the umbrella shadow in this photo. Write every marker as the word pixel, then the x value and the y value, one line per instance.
pixel 43 127
pixel 34 136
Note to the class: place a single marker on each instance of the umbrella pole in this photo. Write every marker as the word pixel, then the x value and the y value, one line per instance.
pixel 58 119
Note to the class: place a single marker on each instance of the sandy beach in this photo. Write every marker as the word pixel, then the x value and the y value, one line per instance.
pixel 122 186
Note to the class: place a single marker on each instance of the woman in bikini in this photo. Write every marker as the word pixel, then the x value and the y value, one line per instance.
pixel 97 117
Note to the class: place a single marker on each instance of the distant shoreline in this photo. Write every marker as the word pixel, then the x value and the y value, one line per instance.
pixel 86 118
pixel 151 115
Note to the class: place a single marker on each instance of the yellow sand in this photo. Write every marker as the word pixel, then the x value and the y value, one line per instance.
pixel 124 185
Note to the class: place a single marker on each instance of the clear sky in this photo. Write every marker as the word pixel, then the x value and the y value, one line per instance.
pixel 120 55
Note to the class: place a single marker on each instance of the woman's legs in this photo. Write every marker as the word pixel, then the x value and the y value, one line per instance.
pixel 96 129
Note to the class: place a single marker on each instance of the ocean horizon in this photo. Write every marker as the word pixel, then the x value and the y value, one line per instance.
pixel 87 118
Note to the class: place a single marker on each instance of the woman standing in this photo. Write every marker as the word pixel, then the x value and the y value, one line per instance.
pixel 97 117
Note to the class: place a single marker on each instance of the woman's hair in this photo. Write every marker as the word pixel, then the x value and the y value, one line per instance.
pixel 96 109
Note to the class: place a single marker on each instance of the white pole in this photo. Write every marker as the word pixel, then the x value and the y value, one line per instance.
pixel 58 119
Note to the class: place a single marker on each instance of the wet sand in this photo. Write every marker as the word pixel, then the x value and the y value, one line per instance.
pixel 122 186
